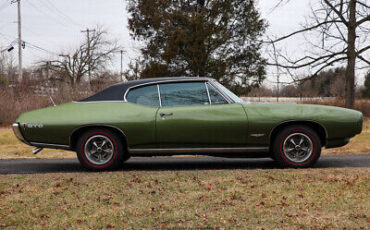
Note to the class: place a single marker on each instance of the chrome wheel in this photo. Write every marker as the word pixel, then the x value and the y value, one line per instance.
pixel 297 147
pixel 99 149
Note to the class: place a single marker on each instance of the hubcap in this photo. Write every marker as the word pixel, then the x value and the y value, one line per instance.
pixel 297 147
pixel 99 149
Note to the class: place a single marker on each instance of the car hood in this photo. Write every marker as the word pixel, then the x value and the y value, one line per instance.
pixel 293 111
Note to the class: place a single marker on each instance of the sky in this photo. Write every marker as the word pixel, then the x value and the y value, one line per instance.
pixel 54 26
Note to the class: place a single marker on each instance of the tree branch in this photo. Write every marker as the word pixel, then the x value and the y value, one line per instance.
pixel 363 49
pixel 365 19
pixel 363 59
pixel 363 4
pixel 337 12
pixel 303 30
pixel 314 60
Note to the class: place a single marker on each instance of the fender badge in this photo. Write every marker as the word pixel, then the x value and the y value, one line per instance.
pixel 257 135
pixel 35 126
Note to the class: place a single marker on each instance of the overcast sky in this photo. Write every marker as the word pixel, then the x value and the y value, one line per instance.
pixel 55 25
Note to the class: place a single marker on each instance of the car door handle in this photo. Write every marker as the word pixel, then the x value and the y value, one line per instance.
pixel 165 114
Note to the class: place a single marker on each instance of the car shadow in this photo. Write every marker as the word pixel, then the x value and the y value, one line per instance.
pixel 198 163
pixel 30 166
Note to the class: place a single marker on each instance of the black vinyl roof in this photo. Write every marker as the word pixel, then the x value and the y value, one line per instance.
pixel 117 91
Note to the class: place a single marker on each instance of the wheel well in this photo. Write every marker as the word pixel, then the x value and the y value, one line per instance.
pixel 78 132
pixel 320 130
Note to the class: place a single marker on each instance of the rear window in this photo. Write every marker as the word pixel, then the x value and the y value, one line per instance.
pixel 146 95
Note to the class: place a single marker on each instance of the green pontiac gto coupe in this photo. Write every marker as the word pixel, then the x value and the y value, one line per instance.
pixel 185 115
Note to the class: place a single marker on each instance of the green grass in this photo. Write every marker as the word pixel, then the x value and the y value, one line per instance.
pixel 228 199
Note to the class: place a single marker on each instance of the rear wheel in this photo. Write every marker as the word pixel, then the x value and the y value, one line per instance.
pixel 100 149
pixel 297 146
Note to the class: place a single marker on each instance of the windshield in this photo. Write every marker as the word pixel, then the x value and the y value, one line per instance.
pixel 228 92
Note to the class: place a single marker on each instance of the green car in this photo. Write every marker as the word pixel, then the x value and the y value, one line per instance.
pixel 185 115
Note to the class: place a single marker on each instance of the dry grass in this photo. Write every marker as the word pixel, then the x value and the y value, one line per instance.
pixel 253 199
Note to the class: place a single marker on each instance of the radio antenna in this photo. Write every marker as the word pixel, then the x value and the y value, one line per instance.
pixel 52 101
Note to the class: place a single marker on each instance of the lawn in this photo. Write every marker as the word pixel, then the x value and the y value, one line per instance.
pixel 228 199
pixel 10 147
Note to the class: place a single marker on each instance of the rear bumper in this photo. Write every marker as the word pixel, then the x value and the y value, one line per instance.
pixel 336 143
pixel 18 133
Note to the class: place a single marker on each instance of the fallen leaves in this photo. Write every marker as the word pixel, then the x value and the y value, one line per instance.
pixel 291 215
pixel 260 204
pixel 185 199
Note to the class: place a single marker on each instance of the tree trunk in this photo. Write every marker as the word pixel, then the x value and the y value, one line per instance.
pixel 351 54
pixel 72 85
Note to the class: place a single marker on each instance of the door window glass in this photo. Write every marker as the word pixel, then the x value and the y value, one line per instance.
pixel 147 95
pixel 215 96
pixel 181 94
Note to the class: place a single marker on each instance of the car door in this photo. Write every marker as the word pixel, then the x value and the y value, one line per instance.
pixel 188 118
pixel 139 119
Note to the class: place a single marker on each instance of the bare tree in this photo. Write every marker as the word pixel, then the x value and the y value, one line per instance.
pixel 342 27
pixel 93 55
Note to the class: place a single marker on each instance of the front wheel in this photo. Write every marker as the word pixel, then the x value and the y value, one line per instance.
pixel 297 146
pixel 100 149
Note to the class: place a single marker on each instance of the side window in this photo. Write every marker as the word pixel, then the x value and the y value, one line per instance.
pixel 146 95
pixel 215 96
pixel 180 94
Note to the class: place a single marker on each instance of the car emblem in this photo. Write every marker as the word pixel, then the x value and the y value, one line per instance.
pixel 35 126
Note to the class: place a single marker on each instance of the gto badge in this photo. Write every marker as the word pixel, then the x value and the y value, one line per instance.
pixel 35 126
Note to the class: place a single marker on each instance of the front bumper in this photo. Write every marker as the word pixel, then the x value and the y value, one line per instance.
pixel 18 133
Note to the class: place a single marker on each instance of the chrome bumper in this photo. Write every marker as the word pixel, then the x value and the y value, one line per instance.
pixel 18 133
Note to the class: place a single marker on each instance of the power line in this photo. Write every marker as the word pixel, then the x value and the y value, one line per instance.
pixel 30 30
pixel 51 6
pixel 5 24
pixel 29 44
pixel 4 6
pixel 43 12
pixel 7 37
pixel 40 48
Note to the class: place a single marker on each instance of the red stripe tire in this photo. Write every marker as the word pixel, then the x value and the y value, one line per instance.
pixel 296 146
pixel 100 149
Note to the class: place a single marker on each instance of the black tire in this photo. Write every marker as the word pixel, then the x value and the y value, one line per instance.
pixel 289 151
pixel 110 145
pixel 125 158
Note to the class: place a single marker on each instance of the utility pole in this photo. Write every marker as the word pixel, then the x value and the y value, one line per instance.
pixel 278 74
pixel 47 70
pixel 87 31
pixel 278 88
pixel 20 75
pixel 121 65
